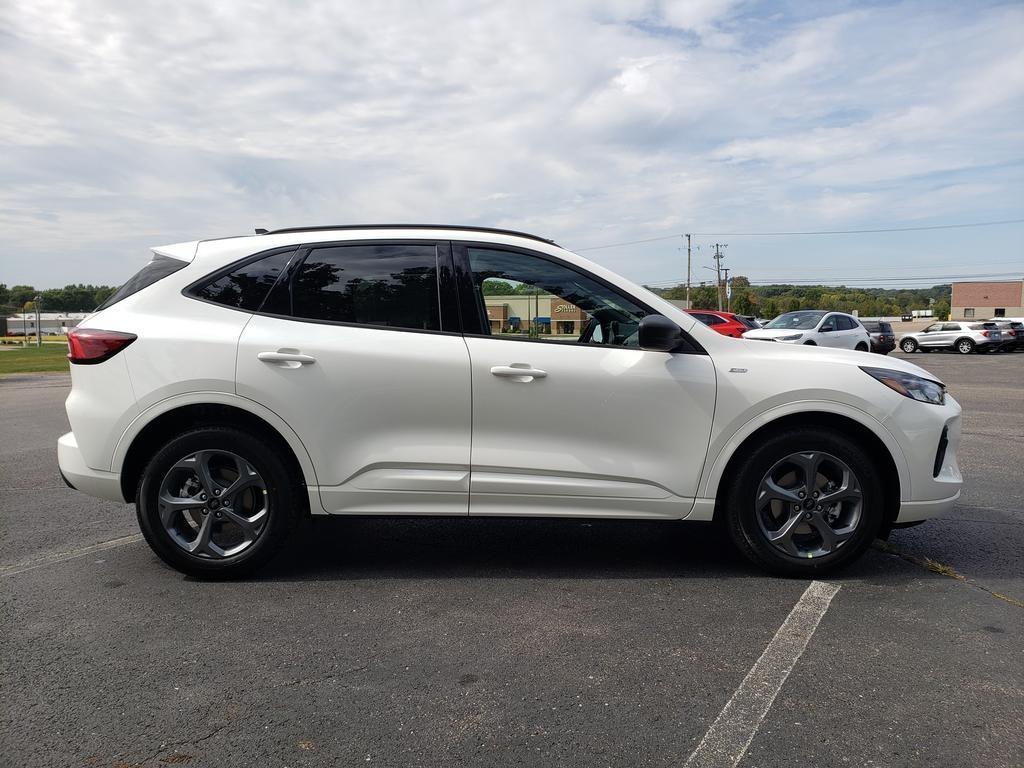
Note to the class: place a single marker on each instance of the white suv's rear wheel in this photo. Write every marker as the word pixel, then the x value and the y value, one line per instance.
pixel 216 503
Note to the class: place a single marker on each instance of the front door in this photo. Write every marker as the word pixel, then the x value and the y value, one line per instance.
pixel 353 352
pixel 575 419
pixel 936 336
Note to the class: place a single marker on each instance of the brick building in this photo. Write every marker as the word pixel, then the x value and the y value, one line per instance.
pixel 980 301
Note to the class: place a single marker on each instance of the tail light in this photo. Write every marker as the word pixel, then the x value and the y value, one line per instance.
pixel 88 346
pixel 985 334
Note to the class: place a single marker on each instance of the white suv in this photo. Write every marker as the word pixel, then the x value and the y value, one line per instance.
pixel 234 386
pixel 815 328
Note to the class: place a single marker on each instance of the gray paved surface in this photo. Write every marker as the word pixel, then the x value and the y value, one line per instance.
pixel 501 642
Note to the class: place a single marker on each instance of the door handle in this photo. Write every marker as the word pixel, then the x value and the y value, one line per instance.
pixel 518 371
pixel 286 358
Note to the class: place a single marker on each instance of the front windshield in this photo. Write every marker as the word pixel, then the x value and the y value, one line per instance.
pixel 802 321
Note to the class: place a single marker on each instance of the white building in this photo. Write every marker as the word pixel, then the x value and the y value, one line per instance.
pixel 50 323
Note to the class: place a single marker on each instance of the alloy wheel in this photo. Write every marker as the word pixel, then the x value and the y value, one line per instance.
pixel 809 504
pixel 908 346
pixel 965 347
pixel 213 504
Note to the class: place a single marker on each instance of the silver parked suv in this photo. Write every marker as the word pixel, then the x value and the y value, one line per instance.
pixel 965 338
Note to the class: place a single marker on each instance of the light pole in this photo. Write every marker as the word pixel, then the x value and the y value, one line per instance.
pixel 39 331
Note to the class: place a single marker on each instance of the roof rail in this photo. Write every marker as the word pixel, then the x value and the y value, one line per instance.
pixel 493 230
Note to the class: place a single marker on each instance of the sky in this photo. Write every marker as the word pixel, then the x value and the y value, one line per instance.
pixel 125 125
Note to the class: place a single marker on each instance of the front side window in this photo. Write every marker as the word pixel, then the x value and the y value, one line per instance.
pixel 393 286
pixel 933 327
pixel 526 296
pixel 246 286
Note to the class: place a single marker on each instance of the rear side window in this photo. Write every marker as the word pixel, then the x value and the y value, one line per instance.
pixel 846 323
pixel 383 285
pixel 160 267
pixel 246 286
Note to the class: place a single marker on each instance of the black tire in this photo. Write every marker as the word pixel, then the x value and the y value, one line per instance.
pixel 741 508
pixel 909 346
pixel 965 346
pixel 810 344
pixel 861 347
pixel 283 499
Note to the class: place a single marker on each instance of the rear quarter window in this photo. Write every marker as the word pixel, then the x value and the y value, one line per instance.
pixel 245 286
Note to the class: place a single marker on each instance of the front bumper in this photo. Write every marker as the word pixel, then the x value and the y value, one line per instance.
pixel 916 511
pixel 81 477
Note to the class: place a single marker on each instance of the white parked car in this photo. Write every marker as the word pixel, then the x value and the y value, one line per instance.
pixel 965 338
pixel 815 328
pixel 234 386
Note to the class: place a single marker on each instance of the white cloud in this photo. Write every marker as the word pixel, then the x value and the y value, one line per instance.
pixel 130 124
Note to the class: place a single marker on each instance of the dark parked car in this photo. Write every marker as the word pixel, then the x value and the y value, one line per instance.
pixel 883 339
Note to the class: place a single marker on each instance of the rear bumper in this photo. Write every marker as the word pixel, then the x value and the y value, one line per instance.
pixel 76 473
pixel 915 511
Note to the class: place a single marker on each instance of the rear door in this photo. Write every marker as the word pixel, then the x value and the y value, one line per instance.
pixel 572 417
pixel 352 349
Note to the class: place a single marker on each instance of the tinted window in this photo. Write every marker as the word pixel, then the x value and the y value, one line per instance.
pixel 157 269
pixel 385 285
pixel 951 327
pixel 526 296
pixel 871 327
pixel 707 319
pixel 247 285
pixel 846 323
pixel 885 327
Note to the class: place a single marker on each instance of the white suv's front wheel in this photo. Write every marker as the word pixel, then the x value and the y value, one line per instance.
pixel 216 503
pixel 805 502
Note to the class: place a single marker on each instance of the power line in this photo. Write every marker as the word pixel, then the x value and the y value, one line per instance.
pixel 940 279
pixel 816 232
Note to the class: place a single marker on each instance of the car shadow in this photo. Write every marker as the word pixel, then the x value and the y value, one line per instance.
pixel 503 548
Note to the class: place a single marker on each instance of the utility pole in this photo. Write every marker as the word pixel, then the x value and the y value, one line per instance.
pixel 718 269
pixel 688 272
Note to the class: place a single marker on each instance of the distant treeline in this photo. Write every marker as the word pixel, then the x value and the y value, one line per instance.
pixel 772 300
pixel 70 298
pixel 747 299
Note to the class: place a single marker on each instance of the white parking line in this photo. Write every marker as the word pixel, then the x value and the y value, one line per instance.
pixel 59 557
pixel 727 740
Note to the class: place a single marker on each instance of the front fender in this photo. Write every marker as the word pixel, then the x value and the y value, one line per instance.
pixel 724 446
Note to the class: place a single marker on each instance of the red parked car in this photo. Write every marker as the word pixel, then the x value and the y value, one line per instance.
pixel 726 323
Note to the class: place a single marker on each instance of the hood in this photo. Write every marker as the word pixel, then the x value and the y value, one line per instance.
pixel 802 354
pixel 772 333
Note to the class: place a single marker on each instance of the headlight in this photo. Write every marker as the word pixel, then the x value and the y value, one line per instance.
pixel 791 337
pixel 909 385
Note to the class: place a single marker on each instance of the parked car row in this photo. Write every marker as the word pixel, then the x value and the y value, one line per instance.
pixel 1000 334
pixel 840 330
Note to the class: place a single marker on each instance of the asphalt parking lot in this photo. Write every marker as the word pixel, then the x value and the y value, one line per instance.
pixel 505 642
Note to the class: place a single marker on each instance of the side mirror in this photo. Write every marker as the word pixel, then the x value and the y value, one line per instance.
pixel 659 334
pixel 827 329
